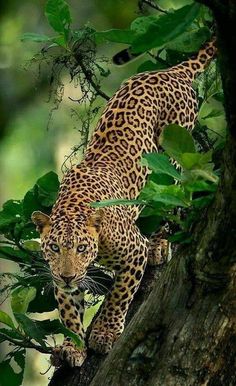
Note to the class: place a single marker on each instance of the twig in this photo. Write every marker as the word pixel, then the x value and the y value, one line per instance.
pixel 74 151
pixel 90 80
pixel 27 344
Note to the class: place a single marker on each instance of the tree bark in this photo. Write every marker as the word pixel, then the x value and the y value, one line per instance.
pixel 184 331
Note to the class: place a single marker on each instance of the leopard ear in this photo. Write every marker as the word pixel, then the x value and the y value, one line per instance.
pixel 95 220
pixel 41 220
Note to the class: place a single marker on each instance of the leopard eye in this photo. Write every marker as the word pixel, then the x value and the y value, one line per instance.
pixel 54 247
pixel 81 248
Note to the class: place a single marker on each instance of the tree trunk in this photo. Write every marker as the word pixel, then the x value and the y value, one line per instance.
pixel 184 331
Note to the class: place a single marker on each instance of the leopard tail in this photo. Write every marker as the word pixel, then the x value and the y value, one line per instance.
pixel 198 62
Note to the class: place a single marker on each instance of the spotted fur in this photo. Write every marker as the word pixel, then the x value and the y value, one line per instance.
pixel 76 235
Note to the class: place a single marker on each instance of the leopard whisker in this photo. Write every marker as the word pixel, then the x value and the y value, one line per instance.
pixel 85 284
pixel 100 277
pixel 92 285
pixel 96 286
pixel 101 268
pixel 48 287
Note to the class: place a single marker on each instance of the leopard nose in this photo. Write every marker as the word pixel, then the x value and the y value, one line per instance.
pixel 67 279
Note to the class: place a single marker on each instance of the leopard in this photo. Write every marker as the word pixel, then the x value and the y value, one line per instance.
pixel 77 235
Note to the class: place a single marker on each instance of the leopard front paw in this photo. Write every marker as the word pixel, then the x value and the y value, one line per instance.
pixel 69 353
pixel 102 341
pixel 158 253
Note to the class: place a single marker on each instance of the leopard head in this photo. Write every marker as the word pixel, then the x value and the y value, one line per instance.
pixel 69 244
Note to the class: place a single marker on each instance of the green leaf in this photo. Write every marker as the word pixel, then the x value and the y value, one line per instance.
pixel 42 196
pixel 32 245
pixel 175 57
pixel 149 224
pixel 150 66
pixel 8 375
pixel 83 33
pixel 219 96
pixel 176 140
pixel 44 300
pixel 115 35
pixel 15 218
pixel 11 213
pixel 29 232
pixel 60 40
pixel 180 237
pixel 19 357
pixel 161 178
pixel 31 202
pixel 39 330
pixel 58 15
pixel 205 174
pixel 200 186
pixel 21 297
pixel 31 328
pixel 202 202
pixel 115 201
pixel 160 163
pixel 172 195
pixel 56 327
pixel 195 160
pixel 14 254
pixel 156 31
pixel 48 186
pixel 214 113
pixel 154 209
pixel 197 165
pixel 189 41
pixel 6 334
pixel 35 37
pixel 6 319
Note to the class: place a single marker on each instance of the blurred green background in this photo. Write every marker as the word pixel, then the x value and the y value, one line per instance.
pixel 34 138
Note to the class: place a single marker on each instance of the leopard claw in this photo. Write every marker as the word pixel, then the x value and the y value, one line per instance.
pixel 68 353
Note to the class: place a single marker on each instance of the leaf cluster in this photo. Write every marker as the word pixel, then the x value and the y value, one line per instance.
pixel 26 288
pixel 177 32
pixel 191 185
pixel 24 333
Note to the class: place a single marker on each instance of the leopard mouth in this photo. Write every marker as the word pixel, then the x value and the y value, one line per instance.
pixel 69 288
pixel 66 287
